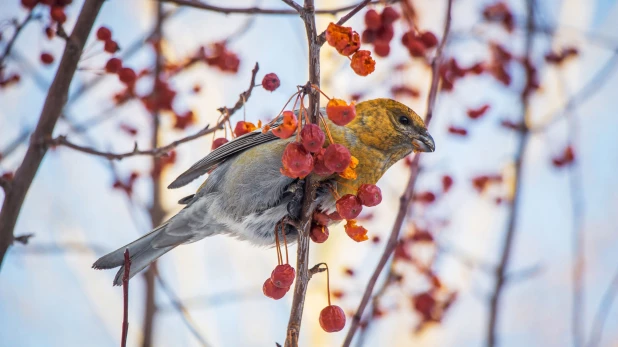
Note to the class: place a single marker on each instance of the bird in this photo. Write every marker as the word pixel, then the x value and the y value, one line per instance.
pixel 246 196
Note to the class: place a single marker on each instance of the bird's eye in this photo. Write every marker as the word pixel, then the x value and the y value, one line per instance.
pixel 404 120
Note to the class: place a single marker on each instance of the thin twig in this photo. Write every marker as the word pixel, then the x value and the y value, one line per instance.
pixel 603 311
pixel 9 45
pixel 52 108
pixel 125 295
pixel 257 10
pixel 507 246
pixel 406 198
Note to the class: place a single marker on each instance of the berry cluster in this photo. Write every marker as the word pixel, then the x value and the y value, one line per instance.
pixel 380 30
pixel 347 42
pixel 219 56
pixel 56 8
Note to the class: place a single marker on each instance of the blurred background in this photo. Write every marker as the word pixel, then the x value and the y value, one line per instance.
pixel 562 273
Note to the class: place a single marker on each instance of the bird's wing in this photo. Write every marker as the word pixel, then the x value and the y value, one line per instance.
pixel 220 154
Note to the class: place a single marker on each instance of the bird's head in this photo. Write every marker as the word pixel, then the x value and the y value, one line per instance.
pixel 392 127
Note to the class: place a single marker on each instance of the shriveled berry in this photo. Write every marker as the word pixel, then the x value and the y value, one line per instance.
pixel 344 39
pixel 111 46
pixel 312 138
pixel 47 58
pixel 318 233
pixel 104 34
pixel 320 218
pixel 339 112
pixel 283 276
pixel 332 319
pixel 297 162
pixel 349 206
pixel 113 65
pixel 362 63
pixel 389 15
pixel 337 157
pixel 355 231
pixel 270 290
pixel 373 19
pixel 271 82
pixel 219 142
pixel 319 167
pixel 287 127
pixel 243 127
pixel 369 194
pixel 127 76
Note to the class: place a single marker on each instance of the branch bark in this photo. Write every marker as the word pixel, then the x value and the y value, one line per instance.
pixel 494 305
pixel 302 256
pixel 54 102
pixel 406 198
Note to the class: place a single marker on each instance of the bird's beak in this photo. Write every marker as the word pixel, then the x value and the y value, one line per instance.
pixel 423 143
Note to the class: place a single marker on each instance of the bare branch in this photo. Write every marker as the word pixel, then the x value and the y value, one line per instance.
pixel 405 199
pixel 494 305
pixel 18 28
pixel 294 5
pixel 54 102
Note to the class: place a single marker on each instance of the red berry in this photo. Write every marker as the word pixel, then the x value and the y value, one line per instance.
pixel 297 162
pixel 337 157
pixel 127 76
pixel 447 183
pixel 479 112
pixel 104 34
pixel 219 142
pixel 381 48
pixel 57 14
pixel 319 167
pixel 312 138
pixel 283 276
pixel 318 233
pixel 349 206
pixel 270 82
pixel 321 218
pixel 271 291
pixel 389 15
pixel 111 46
pixel 332 319
pixel 50 33
pixel 369 194
pixel 113 65
pixel 385 33
pixel 335 216
pixel 339 112
pixel 47 58
pixel 407 37
pixel 243 127
pixel 368 36
pixel 416 48
pixel 429 39
pixel 373 19
pixel 287 127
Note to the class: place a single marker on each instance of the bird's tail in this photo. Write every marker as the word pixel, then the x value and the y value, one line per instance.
pixel 141 252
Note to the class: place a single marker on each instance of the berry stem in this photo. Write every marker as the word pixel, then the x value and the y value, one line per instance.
pixel 283 108
pixel 330 137
pixel 279 256
pixel 327 281
pixel 285 243
pixel 320 90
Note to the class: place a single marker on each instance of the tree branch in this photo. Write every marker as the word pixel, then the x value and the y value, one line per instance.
pixel 406 198
pixel 512 219
pixel 54 102
pixel 18 29
pixel 302 255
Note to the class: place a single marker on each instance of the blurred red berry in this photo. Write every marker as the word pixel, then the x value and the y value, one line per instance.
pixel 373 19
pixel 47 58
pixel 219 142
pixel 111 46
pixel 447 183
pixel 368 36
pixel 271 82
pixel 127 76
pixel 57 14
pixel 478 112
pixel 389 15
pixel 113 65
pixel 382 48
pixel 104 34
pixel 457 131
pixel 29 4
pixel 429 39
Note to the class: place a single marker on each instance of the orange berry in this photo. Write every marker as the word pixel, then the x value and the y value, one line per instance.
pixel 362 63
pixel 339 112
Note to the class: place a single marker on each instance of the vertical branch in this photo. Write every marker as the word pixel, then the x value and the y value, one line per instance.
pixel 519 156
pixel 156 210
pixel 406 197
pixel 52 108
pixel 125 295
pixel 302 257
